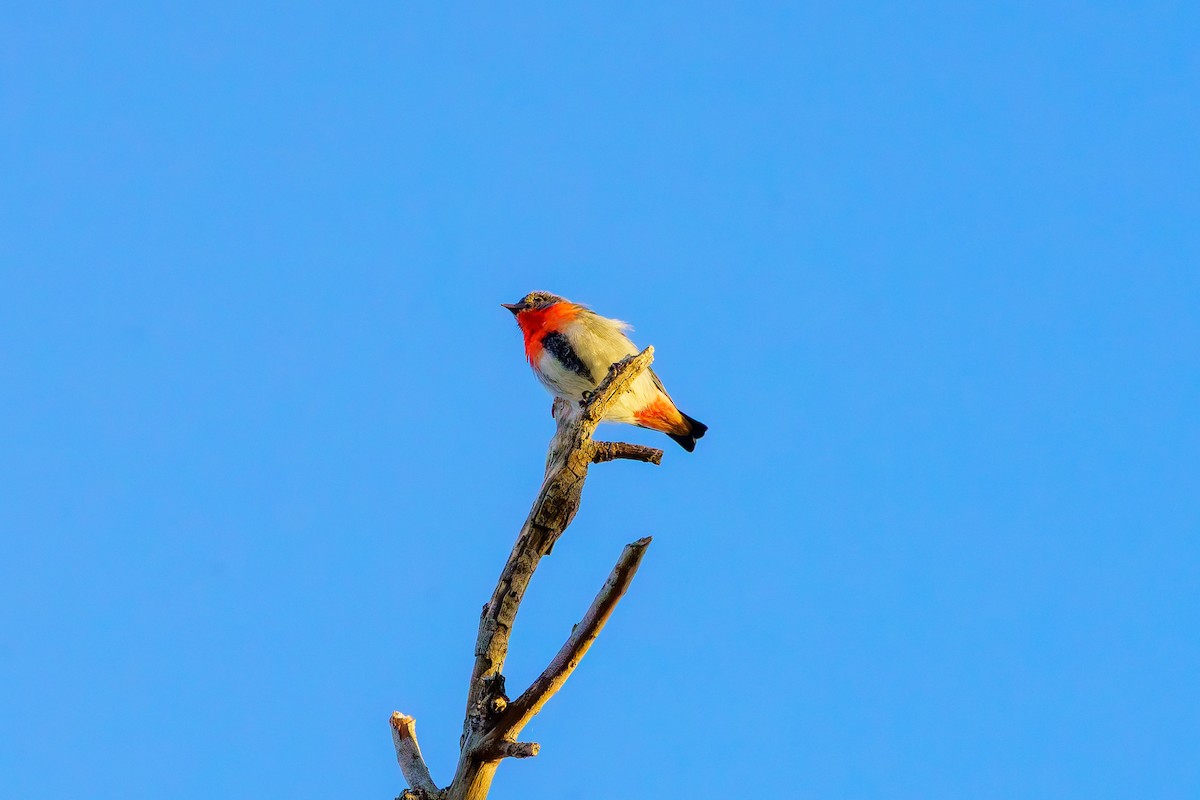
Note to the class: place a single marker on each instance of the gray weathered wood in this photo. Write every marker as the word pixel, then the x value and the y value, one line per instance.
pixel 408 755
pixel 491 723
pixel 522 710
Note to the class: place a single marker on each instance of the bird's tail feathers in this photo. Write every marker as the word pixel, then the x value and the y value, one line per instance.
pixel 696 429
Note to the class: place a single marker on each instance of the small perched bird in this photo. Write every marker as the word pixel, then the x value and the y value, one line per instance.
pixel 570 348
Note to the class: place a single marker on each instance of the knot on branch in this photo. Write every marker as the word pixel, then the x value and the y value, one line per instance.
pixel 494 699
pixel 419 794
pixel 489 704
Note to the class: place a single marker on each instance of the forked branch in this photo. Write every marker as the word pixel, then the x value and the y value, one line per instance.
pixel 492 723
pixel 524 708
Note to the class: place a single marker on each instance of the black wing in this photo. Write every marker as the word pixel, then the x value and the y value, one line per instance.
pixel 557 345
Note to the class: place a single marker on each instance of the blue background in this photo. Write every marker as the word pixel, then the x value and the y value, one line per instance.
pixel 929 273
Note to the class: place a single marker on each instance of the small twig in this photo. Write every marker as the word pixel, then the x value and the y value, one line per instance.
pixel 525 707
pixel 408 754
pixel 610 451
pixel 521 749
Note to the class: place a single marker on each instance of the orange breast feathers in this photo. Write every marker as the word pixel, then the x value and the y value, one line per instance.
pixel 537 322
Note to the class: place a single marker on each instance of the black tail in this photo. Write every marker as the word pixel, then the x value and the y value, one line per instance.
pixel 696 429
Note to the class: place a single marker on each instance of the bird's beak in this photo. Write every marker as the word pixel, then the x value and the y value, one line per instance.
pixel 515 308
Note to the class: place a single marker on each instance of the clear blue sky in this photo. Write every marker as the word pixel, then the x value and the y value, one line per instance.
pixel 929 273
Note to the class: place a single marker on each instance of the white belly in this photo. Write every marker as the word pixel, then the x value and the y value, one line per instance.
pixel 571 386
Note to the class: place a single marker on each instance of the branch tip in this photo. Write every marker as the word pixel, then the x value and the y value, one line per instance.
pixel 521 749
pixel 546 685
pixel 404 726
pixel 611 451
pixel 408 755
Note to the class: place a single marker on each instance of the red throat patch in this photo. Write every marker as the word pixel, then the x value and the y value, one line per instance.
pixel 537 322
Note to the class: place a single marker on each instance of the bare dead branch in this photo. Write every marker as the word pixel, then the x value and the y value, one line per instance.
pixel 488 733
pixel 552 511
pixel 408 754
pixel 521 749
pixel 517 750
pixel 525 707
pixel 610 451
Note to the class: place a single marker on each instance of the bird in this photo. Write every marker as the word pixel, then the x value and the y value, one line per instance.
pixel 571 347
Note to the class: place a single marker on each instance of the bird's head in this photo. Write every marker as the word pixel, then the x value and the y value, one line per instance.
pixel 534 301
pixel 539 312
